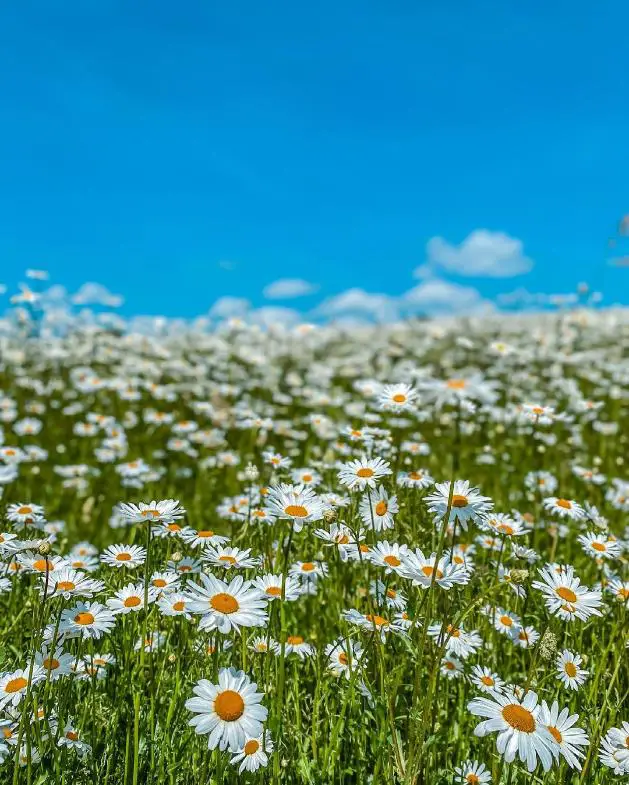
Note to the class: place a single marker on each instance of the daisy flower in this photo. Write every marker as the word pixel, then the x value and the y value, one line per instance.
pixel 524 637
pixel 153 642
pixel 614 749
pixel 309 570
pixel 295 644
pixel 68 582
pixel 227 607
pixel 520 732
pixel 388 555
pixel 344 657
pixel 569 672
pixel 54 664
pixel 373 623
pixel 600 546
pixel 486 680
pixel 227 557
pixel 230 712
pixel 564 508
pixel 471 772
pixel 505 621
pixel 70 739
pixel 377 510
pixel 620 589
pixel 564 594
pixel 467 502
pixel 14 685
pixel 129 599
pixel 451 667
pixel 254 754
pixel 87 620
pixel 306 477
pixel 174 604
pixel 387 596
pixel 24 514
pixel 417 478
pixel 567 738
pixel 297 503
pixel 165 511
pixel 458 641
pixel 163 582
pixel 424 571
pixel 271 586
pixel 363 472
pixel 129 556
pixel 397 397
pixel 202 538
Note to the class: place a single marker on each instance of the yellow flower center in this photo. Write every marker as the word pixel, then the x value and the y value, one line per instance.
pixel 555 734
pixel 307 566
pixel 84 618
pixel 571 669
pixel 379 621
pixel 179 606
pixel 132 602
pixel 15 685
pixel 506 620
pixel 123 557
pixel 392 561
pixel 519 718
pixel 224 603
pixel 294 640
pixel 459 501
pixel 399 398
pixel 296 511
pixel 565 503
pixel 65 586
pixel 381 508
pixel 566 594
pixel 274 591
pixel 251 747
pixel 229 705
pixel 50 664
pixel 487 681
pixel 365 472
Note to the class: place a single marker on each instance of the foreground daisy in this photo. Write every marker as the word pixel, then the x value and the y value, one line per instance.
pixel 230 712
pixel 520 731
pixel 14 685
pixel 227 606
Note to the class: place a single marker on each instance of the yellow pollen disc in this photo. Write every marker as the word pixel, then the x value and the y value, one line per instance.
pixel 294 640
pixel 453 632
pixel 392 561
pixel 391 594
pixel 51 664
pixel 428 571
pixel 7 733
pixel 450 666
pixel 229 706
pixel 472 779
pixel 459 501
pixel 224 603
pixel 364 548
pixel 307 566
pixel 415 475
pixel 296 511
pixel 174 527
pixel 623 593
pixel 150 513
pixel 307 477
pixel 555 734
pixel 456 384
pixel 159 583
pixel 598 546
pixel 487 681
pixel 566 594
pixel 343 539
pixel 179 606
pixel 25 510
pixel 571 669
pixel 565 503
pixel 343 658
pixel 505 529
pixel 65 586
pixel 228 559
pixel 252 747
pixel 506 620
pixel 274 591
pixel 84 618
pixel 72 735
pixel 365 472
pixel 519 718
pixel 132 602
pixel 41 565
pixel 399 398
pixel 123 557
pixel 379 621
pixel 205 533
pixel 381 508
pixel 15 685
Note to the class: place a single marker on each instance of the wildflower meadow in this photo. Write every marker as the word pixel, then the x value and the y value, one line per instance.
pixel 316 554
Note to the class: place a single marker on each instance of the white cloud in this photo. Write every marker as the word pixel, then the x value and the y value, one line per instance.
pixel 438 297
pixel 357 302
pixel 226 307
pixel 96 294
pixel 287 288
pixel 270 316
pixel 482 253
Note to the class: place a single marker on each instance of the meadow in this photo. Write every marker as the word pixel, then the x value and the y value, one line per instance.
pixel 315 554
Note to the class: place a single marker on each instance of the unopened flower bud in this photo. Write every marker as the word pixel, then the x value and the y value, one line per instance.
pixel 44 548
pixel 519 576
pixel 172 658
pixel 251 472
pixel 176 557
pixel 330 515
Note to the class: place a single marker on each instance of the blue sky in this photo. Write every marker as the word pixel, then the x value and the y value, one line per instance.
pixel 182 152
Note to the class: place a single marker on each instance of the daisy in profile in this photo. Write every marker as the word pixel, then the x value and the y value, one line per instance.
pixel 600 546
pixel 152 643
pixel 344 657
pixel 471 772
pixel 129 556
pixel 154 512
pixel 129 599
pixel 378 510
pixel 425 570
pixel 229 712
pixel 68 582
pixel 363 472
pixel 620 589
pixel 174 604
pixel 565 597
pixel 467 502
pixel 341 536
pixel 202 538
pixel 567 738
pixel 614 749
pixel 261 645
pixel 375 623
pixel 504 525
pixel 396 397
pixel 520 731
pixel 227 606
pixel 388 555
pixel 24 515
pixel 388 596
pixel 87 620
pixel 569 671
pixel 297 503
pixel 564 508
pixel 271 586
pixel 295 644
pixel 228 558
pixel 254 753
pixel 416 478
pixel 457 641
pixel 486 680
